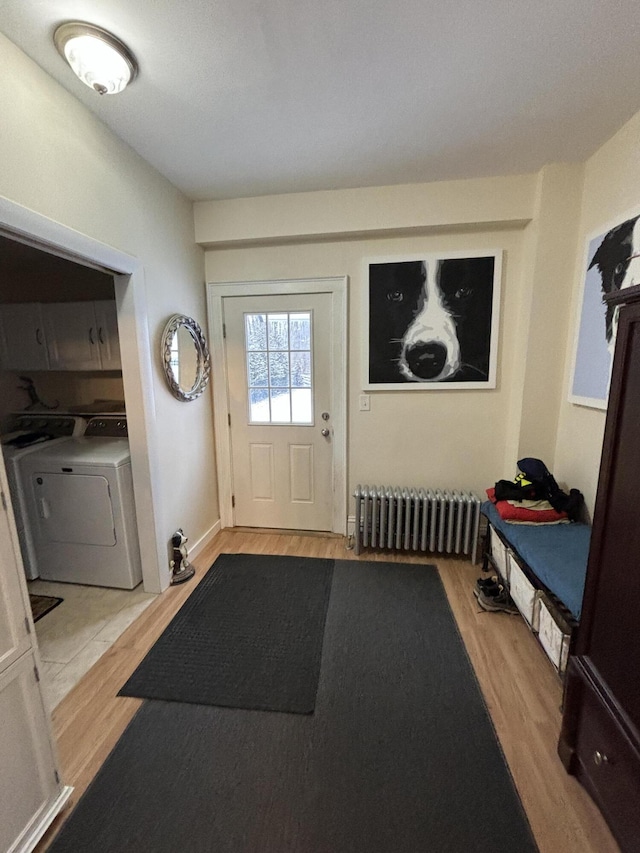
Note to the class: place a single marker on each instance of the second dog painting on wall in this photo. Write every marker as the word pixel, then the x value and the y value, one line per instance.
pixel 612 264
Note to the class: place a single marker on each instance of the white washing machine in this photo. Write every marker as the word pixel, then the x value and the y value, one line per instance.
pixel 29 432
pixel 81 508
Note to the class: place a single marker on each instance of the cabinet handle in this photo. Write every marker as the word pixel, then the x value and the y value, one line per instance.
pixel 100 337
pixel 39 336
pixel 91 335
pixel 599 758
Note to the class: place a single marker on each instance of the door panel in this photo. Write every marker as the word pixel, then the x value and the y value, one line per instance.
pixel 279 382
pixel 30 793
pixel 107 331
pixel 74 508
pixel 28 780
pixel 22 339
pixel 301 470
pixel 72 336
pixel 262 473
pixel 14 636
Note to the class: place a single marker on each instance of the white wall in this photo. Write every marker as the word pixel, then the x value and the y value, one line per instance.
pixel 459 439
pixel 372 211
pixel 611 181
pixel 552 245
pixel 430 438
pixel 57 159
pixel 438 438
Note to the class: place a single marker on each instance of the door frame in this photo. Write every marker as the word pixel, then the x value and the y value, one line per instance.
pixel 337 287
pixel 27 226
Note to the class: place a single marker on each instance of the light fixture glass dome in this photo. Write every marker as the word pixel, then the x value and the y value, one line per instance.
pixel 98 58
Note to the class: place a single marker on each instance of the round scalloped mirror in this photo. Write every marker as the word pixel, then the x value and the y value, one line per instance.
pixel 185 358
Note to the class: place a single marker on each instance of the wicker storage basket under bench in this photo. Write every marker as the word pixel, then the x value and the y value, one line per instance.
pixel 544 569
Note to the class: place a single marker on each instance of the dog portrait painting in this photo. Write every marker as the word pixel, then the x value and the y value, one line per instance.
pixel 432 322
pixel 612 264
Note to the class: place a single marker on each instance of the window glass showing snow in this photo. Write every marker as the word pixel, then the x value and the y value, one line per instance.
pixel 280 406
pixel 301 370
pixel 279 370
pixel 300 331
pixel 278 327
pixel 301 405
pixel 279 367
pixel 256 331
pixel 259 405
pixel 258 368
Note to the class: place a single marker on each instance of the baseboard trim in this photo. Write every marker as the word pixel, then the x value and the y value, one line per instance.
pixel 30 842
pixel 204 540
pixel 322 534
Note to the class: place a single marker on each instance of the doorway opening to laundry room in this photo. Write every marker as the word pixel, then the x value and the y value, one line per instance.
pixel 280 377
pixel 65 446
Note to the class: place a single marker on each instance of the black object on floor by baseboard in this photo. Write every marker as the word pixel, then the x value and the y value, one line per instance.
pixel 42 604
pixel 400 755
pixel 250 636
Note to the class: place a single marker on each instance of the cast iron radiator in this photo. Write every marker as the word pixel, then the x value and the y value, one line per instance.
pixel 401 518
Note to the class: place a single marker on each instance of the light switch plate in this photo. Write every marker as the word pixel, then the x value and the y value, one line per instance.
pixel 365 403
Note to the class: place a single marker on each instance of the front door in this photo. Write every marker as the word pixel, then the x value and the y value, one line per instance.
pixel 278 352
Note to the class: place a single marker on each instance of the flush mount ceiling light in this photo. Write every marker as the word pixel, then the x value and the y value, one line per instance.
pixel 98 58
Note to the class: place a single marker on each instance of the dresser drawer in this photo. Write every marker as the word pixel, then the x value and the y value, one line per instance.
pixel 609 767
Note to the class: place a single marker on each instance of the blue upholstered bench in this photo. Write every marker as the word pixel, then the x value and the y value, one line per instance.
pixel 556 554
pixel 545 568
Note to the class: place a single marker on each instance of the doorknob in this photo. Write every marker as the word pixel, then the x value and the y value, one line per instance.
pixel 325 432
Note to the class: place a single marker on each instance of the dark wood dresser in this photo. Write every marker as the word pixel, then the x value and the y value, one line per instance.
pixel 600 737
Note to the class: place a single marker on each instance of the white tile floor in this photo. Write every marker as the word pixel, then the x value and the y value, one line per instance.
pixel 77 632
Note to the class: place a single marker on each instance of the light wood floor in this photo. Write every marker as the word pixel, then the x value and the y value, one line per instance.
pixel 521 689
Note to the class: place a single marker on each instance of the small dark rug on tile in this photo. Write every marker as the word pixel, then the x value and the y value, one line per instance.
pixel 42 604
pixel 250 636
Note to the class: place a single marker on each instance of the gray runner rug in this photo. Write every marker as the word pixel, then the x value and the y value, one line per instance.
pixel 400 755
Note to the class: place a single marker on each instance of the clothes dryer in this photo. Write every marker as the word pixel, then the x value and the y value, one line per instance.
pixel 29 433
pixel 82 510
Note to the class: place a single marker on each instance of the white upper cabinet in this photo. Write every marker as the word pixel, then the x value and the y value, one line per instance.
pixel 60 336
pixel 82 335
pixel 22 337
pixel 108 340
pixel 72 336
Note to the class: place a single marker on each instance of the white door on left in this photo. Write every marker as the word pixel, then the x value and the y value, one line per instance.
pixel 30 791
pixel 28 782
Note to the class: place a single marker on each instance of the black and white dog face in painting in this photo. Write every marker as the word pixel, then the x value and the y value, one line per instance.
pixel 430 321
pixel 617 259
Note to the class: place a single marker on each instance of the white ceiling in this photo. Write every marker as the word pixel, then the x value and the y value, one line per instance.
pixel 251 97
